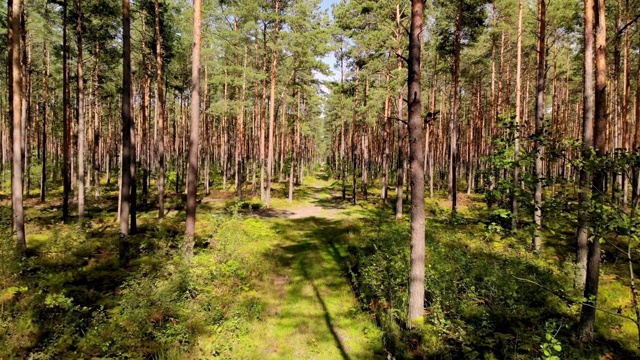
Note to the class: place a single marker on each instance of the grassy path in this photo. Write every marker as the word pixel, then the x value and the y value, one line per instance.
pixel 312 312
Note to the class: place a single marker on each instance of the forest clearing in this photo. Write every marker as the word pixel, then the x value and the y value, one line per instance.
pixel 307 179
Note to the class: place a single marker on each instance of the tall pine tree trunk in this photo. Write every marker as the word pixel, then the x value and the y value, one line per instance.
pixel 588 313
pixel 80 110
pixel 272 104
pixel 540 132
pixel 516 144
pixel 453 120
pixel 126 153
pixel 416 156
pixel 192 174
pixel 588 114
pixel 45 119
pixel 160 110
pixel 636 139
pixel 15 82
pixel 66 120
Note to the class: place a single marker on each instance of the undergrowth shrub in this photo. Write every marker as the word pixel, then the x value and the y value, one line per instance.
pixel 476 305
pixel 71 298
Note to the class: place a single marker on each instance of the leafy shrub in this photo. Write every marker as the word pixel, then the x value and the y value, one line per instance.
pixel 71 298
pixel 475 304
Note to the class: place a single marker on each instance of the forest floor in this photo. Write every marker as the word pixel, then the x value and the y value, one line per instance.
pixel 301 280
pixel 311 310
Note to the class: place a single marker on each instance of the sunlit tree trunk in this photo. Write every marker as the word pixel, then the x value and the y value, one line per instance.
pixel 516 144
pixel 192 174
pixel 453 120
pixel 587 143
pixel 14 10
pixel 416 156
pixel 588 313
pixel 272 105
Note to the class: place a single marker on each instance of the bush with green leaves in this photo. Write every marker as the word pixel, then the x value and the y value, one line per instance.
pixel 69 297
pixel 476 302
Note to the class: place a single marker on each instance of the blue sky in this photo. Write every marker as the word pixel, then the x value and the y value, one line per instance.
pixel 326 4
pixel 329 59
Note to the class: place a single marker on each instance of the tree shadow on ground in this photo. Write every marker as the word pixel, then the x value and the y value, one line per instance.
pixel 71 272
pixel 477 303
pixel 480 293
pixel 314 249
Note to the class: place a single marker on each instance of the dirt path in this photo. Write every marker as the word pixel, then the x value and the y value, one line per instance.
pixel 308 210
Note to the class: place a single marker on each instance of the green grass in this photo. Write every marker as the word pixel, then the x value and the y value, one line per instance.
pixel 310 310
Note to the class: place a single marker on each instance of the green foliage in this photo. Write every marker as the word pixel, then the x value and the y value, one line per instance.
pixel 551 347
pixel 377 267
pixel 476 307
pixel 73 299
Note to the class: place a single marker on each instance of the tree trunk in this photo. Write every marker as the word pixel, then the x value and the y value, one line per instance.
pixel 192 174
pixel 588 313
pixel 516 144
pixel 540 131
pixel 343 160
pixel 354 143
pixel 66 121
pixel 416 156
pixel 453 121
pixel 15 82
pixel 272 104
pixel 385 146
pixel 636 139
pixel 125 168
pixel 400 163
pixel 80 111
pixel 45 119
pixel 160 107
pixel 587 144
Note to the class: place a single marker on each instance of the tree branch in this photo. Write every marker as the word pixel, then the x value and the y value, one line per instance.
pixel 402 57
pixel 571 301
pixel 624 28
pixel 398 119
pixel 430 117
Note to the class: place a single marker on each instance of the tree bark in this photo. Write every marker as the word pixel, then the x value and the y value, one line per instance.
pixel 540 131
pixel 125 168
pixel 516 143
pixel 80 110
pixel 192 174
pixel 66 121
pixel 588 313
pixel 45 119
pixel 636 139
pixel 272 104
pixel 587 143
pixel 416 158
pixel 160 110
pixel 453 121
pixel 15 82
